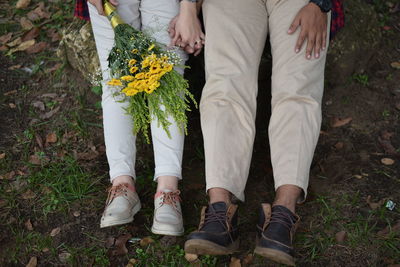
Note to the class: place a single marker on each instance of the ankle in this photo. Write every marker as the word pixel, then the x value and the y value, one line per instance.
pixel 167 183
pixel 219 195
pixel 123 179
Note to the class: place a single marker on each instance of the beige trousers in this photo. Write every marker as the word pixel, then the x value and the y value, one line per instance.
pixel 236 32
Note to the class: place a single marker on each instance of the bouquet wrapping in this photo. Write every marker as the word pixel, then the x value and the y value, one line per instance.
pixel 143 73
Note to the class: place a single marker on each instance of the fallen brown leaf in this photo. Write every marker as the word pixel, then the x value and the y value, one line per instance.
pixel 387 146
pixel 6 37
pixel 54 68
pixel 191 257
pixel 235 262
pixel 338 122
pixel 37 48
pixel 29 225
pixel 12 92
pixel 2 155
pixel 55 231
pixel 386 135
pixel 39 13
pixel 15 42
pixel 26 24
pixel 387 161
pixel 8 176
pixel 23 46
pixel 39 105
pixel 44 250
pixel 76 213
pixel 14 67
pixel 248 259
pixel 395 65
pixel 3 48
pixel 32 262
pixel 12 105
pixel 64 256
pixel 375 205
pixel 117 246
pixel 28 194
pixel 30 35
pixel 54 35
pixel 132 263
pixel 51 138
pixel 22 3
pixel 388 230
pixel 39 141
pixel 341 237
pixel 339 145
pixel 146 241
pixel 35 159
pixel 50 114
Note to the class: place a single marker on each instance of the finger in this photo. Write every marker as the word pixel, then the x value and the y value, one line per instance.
pixel 114 2
pixel 175 40
pixel 189 49
pixel 198 51
pixel 99 7
pixel 300 41
pixel 295 24
pixel 324 35
pixel 202 36
pixel 310 45
pixel 318 44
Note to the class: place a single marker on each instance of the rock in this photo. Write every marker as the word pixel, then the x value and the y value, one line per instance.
pixel 355 44
pixel 78 47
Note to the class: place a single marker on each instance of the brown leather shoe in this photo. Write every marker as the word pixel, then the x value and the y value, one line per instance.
pixel 275 233
pixel 217 233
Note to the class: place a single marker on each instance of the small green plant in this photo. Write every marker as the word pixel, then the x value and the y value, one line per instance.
pixel 361 79
pixel 386 114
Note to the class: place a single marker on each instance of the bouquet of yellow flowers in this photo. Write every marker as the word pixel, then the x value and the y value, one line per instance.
pixel 143 73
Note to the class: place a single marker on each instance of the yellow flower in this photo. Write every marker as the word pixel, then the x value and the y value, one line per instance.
pixel 145 63
pixel 151 47
pixel 168 67
pixel 154 85
pixel 114 82
pixel 140 75
pixel 155 68
pixel 149 90
pixel 127 78
pixel 135 51
pixel 129 91
pixel 132 62
pixel 133 69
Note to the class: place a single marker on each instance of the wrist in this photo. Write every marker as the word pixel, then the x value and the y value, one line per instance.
pixel 188 7
pixel 324 5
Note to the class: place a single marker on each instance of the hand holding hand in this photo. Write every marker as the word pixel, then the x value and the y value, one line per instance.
pixel 99 5
pixel 313 24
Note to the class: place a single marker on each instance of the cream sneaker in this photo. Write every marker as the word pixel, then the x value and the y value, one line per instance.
pixel 167 213
pixel 121 205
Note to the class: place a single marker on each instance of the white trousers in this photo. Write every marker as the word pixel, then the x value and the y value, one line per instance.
pixel 152 16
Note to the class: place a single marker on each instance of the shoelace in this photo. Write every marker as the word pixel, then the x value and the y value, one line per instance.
pixel 115 191
pixel 213 215
pixel 171 198
pixel 282 218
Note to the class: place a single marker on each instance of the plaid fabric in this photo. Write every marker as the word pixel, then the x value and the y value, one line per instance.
pixel 82 12
pixel 337 21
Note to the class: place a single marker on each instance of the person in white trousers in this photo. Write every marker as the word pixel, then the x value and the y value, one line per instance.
pixel 123 202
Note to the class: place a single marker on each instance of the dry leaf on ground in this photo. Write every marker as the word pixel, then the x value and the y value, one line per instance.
pixel 28 194
pixel 53 35
pixel 387 161
pixel 191 257
pixel 388 230
pixel 51 138
pixel 146 241
pixel 54 68
pixel 375 205
pixel 35 160
pixel 341 236
pixel 15 67
pixel 55 231
pixel 15 42
pixel 39 105
pixel 248 259
pixel 395 65
pixel 12 105
pixel 29 225
pixel 30 35
pixel 37 48
pixel 22 3
pixel 117 245
pixel 2 155
pixel 64 256
pixel 32 262
pixel 235 262
pixel 49 114
pixel 132 263
pixel 23 46
pixel 39 13
pixel 6 37
pixel 26 24
pixel 338 122
pixel 8 176
pixel 339 145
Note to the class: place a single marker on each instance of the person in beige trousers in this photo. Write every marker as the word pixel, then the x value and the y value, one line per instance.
pixel 236 32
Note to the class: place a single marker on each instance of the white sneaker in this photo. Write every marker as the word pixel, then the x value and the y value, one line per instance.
pixel 121 205
pixel 167 214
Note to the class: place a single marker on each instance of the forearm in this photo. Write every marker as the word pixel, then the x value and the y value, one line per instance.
pixel 190 6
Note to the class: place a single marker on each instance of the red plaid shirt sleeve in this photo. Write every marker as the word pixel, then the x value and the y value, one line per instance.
pixel 81 10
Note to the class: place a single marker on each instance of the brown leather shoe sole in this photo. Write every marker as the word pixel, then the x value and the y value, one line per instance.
pixel 204 247
pixel 275 255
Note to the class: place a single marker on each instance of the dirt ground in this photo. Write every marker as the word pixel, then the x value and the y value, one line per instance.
pixel 53 169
